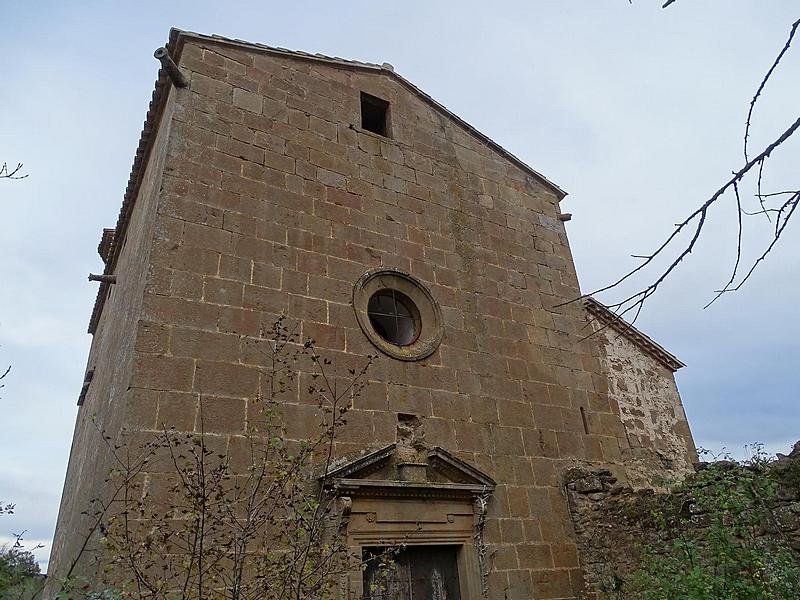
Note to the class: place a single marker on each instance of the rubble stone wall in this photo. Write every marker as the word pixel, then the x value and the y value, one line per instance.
pixel 660 449
pixel 614 523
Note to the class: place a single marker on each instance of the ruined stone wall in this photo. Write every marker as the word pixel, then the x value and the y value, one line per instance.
pixel 614 523
pixel 661 448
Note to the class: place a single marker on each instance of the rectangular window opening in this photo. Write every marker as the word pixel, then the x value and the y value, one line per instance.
pixel 585 421
pixel 374 114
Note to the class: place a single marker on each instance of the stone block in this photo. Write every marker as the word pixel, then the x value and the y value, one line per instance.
pixel 514 413
pixel 535 556
pixel 221 415
pixel 226 379
pixel 549 584
pixel 223 291
pixel 410 400
pixel 324 336
pixel 265 299
pixel 159 372
pixel 511 531
pixel 152 338
pixel 141 407
pixel 311 309
pixel 247 100
pixel 206 345
pixel 473 437
pixel 176 410
pixel 236 268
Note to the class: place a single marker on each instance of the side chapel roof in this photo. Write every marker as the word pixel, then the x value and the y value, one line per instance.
pixel 609 318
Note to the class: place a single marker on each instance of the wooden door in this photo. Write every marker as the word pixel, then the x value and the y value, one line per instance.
pixel 414 573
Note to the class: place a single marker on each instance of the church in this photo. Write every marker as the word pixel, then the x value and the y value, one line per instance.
pixel 340 197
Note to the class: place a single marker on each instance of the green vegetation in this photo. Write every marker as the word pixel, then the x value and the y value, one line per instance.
pixel 19 572
pixel 723 535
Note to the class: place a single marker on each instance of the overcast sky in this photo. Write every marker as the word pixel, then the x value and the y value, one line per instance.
pixel 637 112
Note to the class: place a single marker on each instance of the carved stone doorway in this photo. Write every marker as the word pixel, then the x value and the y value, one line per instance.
pixel 425 506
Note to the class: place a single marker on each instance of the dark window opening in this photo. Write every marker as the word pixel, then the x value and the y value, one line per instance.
pixel 374 115
pixel 87 381
pixel 585 421
pixel 394 317
pixel 428 572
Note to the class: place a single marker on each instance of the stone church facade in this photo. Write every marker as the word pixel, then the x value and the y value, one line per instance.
pixel 336 193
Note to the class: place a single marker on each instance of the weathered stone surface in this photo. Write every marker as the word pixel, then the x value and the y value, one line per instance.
pixel 613 524
pixel 262 196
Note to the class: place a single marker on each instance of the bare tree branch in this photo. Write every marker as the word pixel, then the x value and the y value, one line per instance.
pixel 788 207
pixel 698 217
pixel 244 523
pixel 697 220
pixel 738 245
pixel 763 83
pixel 14 173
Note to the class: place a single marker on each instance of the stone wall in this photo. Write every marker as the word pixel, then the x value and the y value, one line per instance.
pixel 614 523
pixel 274 201
pixel 660 449
pixel 110 403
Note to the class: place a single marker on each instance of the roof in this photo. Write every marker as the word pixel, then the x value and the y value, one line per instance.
pixel 177 39
pixel 611 319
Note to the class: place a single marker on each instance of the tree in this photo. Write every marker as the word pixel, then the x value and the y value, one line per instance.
pixel 19 571
pixel 14 173
pixel 187 521
pixel 5 173
pixel 3 375
pixel 18 568
pixel 777 207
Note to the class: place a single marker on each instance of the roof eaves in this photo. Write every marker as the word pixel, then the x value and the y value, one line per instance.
pixel 146 139
pixel 611 319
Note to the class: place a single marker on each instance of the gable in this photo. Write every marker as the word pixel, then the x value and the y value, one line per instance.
pixel 609 319
pixel 232 47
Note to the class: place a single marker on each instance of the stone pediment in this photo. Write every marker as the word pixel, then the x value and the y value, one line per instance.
pixel 397 470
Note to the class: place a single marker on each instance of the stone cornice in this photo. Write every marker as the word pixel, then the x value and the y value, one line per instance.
pixel 408 489
pixel 610 319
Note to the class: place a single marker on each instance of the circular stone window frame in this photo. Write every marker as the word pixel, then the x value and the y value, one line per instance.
pixel 431 330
